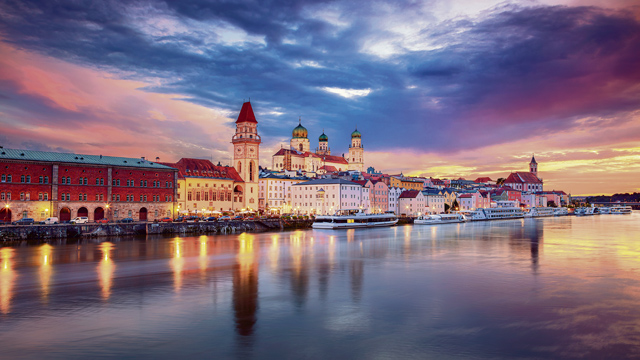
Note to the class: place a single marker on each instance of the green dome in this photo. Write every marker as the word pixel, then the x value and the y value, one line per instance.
pixel 300 132
pixel 356 134
pixel 323 137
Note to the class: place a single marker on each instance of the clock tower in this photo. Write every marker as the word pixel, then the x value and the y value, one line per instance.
pixel 246 153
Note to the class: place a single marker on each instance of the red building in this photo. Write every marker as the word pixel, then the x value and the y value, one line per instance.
pixel 525 181
pixel 39 184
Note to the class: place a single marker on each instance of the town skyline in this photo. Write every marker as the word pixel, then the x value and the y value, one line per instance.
pixel 471 91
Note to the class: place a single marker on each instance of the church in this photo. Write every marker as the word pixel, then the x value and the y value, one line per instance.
pixel 300 157
pixel 526 181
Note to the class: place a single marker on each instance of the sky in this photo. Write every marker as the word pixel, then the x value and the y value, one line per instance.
pixel 437 88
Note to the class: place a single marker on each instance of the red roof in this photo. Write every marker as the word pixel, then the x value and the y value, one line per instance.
pixel 409 194
pixel 246 114
pixel 335 159
pixel 482 180
pixel 204 168
pixel 329 168
pixel 522 178
pixel 466 196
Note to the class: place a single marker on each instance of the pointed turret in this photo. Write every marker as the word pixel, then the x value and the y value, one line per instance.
pixel 246 114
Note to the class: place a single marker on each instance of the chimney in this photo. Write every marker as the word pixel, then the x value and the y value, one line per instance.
pixel 157 158
pixel 142 157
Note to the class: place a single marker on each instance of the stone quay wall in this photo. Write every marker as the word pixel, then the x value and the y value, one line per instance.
pixel 61 231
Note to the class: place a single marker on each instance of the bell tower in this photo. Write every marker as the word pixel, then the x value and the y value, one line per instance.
pixel 533 166
pixel 356 152
pixel 246 153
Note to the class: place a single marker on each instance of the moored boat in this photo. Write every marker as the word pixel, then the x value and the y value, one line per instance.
pixel 585 211
pixel 621 210
pixel 540 212
pixel 357 218
pixel 439 219
pixel 561 211
pixel 497 213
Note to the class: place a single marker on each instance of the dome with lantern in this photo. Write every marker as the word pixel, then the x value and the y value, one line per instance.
pixel 299 132
pixel 356 134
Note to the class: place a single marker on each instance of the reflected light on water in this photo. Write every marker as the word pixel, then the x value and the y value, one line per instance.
pixel 274 252
pixel 177 263
pixel 45 271
pixel 204 256
pixel 245 287
pixel 7 279
pixel 106 268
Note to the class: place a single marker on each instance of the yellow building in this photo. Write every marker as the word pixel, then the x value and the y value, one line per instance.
pixel 204 187
pixel 406 183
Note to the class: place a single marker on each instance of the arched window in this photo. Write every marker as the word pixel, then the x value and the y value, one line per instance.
pixel 251 171
pixel 239 167
pixel 301 147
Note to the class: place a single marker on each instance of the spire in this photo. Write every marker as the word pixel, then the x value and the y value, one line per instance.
pixel 246 114
pixel 533 159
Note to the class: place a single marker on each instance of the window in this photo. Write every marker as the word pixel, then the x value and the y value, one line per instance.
pixel 156 213
pixel 130 213
pixel 40 197
pixel 40 180
pixel 118 182
pixel 3 178
pixel 141 198
pixel 28 179
pixel 46 179
pixel 97 197
pixel 115 213
pixel 101 181
pixel 118 198
pixel 97 181
pixel 113 182
pixel 21 196
pixel 2 196
pixel 22 178
pixel 8 196
pixel 8 178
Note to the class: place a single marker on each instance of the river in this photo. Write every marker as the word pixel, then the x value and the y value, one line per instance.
pixel 566 287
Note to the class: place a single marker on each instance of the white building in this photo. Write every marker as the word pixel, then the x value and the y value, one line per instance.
pixel 325 196
pixel 434 201
pixel 274 193
pixel 411 203
pixel 394 194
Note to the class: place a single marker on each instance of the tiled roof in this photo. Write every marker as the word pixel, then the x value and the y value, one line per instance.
pixel 409 194
pixel 47 156
pixel 522 178
pixel 329 168
pixel 466 196
pixel 246 114
pixel 200 168
pixel 335 159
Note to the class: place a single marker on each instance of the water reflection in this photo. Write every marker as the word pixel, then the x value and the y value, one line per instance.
pixel 419 291
pixel 106 268
pixel 245 288
pixel 177 263
pixel 45 271
pixel 7 279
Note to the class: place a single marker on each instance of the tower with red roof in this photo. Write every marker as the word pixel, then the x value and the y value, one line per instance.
pixel 246 153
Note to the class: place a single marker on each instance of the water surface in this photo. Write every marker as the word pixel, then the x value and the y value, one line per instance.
pixel 536 288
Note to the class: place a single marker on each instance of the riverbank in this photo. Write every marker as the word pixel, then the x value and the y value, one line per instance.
pixel 61 231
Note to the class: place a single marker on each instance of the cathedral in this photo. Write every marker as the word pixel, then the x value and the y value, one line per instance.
pixel 300 157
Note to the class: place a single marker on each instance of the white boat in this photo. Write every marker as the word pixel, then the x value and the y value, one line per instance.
pixel 439 219
pixel 585 211
pixel 540 212
pixel 497 213
pixel 561 212
pixel 357 218
pixel 621 210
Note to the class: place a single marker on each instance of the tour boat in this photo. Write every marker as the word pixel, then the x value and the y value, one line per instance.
pixel 585 211
pixel 439 219
pixel 604 210
pixel 540 212
pixel 621 210
pixel 497 213
pixel 561 212
pixel 348 219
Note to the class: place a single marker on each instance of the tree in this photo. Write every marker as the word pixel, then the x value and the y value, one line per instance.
pixel 500 181
pixel 446 208
pixel 552 204
pixel 455 205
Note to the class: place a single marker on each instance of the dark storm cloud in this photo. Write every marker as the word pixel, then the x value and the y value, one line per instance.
pixel 512 74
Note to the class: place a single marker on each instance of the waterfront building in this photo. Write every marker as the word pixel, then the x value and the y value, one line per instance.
pixel 204 187
pixel 474 200
pixel 325 196
pixel 506 193
pixel 394 195
pixel 434 201
pixel 379 196
pixel 411 203
pixel 552 197
pixel 299 157
pixel 42 184
pixel 246 154
pixel 526 181
pixel 274 195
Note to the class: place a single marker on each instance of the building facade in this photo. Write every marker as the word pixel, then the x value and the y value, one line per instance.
pixel 275 193
pixel 246 153
pixel 38 185
pixel 325 196
pixel 526 181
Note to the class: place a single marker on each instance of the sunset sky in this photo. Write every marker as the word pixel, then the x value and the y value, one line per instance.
pixel 437 88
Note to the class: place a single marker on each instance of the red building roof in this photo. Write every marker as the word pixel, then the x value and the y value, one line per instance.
pixel 522 178
pixel 409 194
pixel 335 159
pixel 204 168
pixel 246 114
pixel 329 168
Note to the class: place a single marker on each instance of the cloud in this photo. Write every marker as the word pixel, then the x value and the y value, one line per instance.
pixel 431 77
